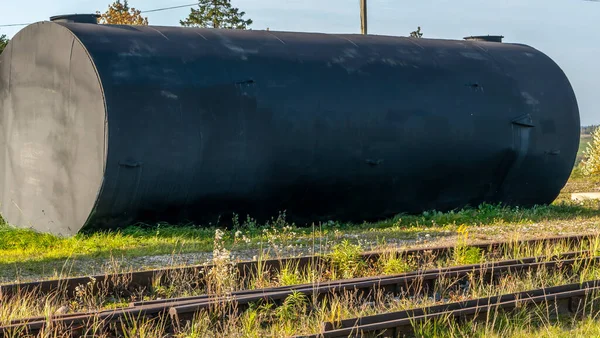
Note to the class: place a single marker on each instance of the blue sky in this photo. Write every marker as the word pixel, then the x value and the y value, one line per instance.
pixel 566 30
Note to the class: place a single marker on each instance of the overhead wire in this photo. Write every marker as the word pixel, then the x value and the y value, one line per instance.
pixel 146 11
pixel 168 8
pixel 14 25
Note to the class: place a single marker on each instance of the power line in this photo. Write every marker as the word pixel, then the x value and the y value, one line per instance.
pixel 15 24
pixel 168 8
pixel 147 11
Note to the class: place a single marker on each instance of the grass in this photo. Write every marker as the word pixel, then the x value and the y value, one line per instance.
pixel 535 324
pixel 26 253
pixel 300 314
pixel 22 244
pixel 343 262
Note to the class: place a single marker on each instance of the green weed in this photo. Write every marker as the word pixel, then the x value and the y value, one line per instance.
pixel 463 254
pixel 345 260
pixel 391 263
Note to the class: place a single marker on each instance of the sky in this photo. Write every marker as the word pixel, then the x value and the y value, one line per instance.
pixel 568 31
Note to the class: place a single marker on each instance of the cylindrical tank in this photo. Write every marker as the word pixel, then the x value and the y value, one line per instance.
pixel 105 125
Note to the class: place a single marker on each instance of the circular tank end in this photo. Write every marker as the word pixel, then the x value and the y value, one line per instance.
pixel 52 141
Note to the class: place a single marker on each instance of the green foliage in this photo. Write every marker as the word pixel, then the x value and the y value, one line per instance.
pixel 392 264
pixel 434 328
pixel 23 245
pixel 416 34
pixel 491 214
pixel 3 42
pixel 591 164
pixel 293 306
pixel 346 260
pixel 22 239
pixel 250 322
pixel 289 276
pixel 216 14
pixel 467 255
pixel 463 254
pixel 38 252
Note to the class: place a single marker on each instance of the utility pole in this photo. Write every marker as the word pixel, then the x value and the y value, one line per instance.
pixel 363 16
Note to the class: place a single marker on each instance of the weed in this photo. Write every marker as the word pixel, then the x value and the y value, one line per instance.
pixel 289 276
pixel 141 327
pixel 464 254
pixel 261 278
pixel 293 306
pixel 345 260
pixel 391 263
pixel 432 328
pixel 222 277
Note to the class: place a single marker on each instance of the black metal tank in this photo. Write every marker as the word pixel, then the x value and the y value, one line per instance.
pixel 104 126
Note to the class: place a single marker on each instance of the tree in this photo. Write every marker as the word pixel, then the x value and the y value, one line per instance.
pixel 588 130
pixel 121 14
pixel 216 14
pixel 3 42
pixel 416 34
pixel 591 164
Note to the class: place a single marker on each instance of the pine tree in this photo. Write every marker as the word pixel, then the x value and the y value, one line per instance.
pixel 216 14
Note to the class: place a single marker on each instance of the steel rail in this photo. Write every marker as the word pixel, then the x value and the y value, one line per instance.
pixel 397 285
pixel 144 280
pixel 565 298
pixel 445 270
pixel 181 309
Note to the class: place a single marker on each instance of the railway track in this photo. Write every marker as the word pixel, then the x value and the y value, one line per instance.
pixel 143 281
pixel 563 299
pixel 180 311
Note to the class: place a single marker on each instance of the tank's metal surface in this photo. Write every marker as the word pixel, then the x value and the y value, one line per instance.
pixel 76 18
pixel 104 126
